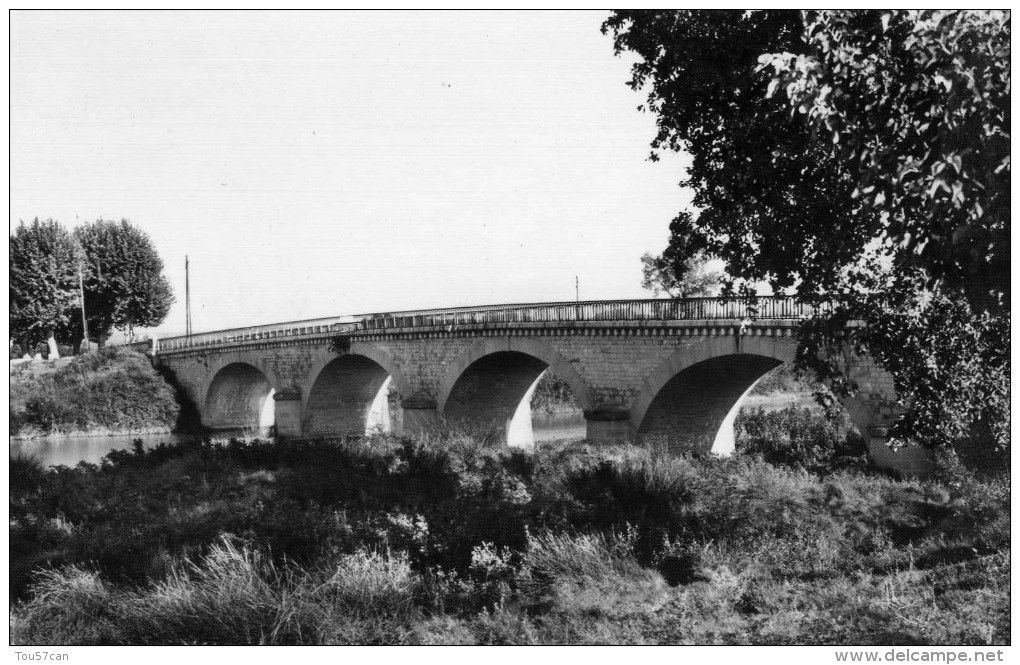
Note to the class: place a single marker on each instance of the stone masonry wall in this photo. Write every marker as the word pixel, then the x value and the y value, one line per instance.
pixel 615 368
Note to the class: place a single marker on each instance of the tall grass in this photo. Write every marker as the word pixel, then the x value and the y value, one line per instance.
pixel 449 540
pixel 588 572
pixel 232 595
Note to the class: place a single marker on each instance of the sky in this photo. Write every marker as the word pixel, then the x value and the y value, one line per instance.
pixel 318 164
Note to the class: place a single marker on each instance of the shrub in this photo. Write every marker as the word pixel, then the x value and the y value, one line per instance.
pixel 785 379
pixel 115 389
pixel 552 394
pixel 26 474
pixel 647 489
pixel 800 439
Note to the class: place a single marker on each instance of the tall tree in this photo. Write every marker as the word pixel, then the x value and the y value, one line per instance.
pixel 124 283
pixel 862 158
pixel 44 282
pixel 681 271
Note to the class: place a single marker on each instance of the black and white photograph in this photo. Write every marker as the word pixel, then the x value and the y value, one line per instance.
pixel 440 328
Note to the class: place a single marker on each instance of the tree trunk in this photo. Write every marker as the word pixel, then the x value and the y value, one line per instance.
pixel 81 346
pixel 51 341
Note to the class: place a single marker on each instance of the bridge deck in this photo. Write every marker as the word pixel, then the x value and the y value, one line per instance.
pixel 656 310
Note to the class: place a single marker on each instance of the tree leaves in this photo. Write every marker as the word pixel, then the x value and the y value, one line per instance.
pixel 863 157
pixel 43 280
pixel 122 274
pixel 682 270
pixel 124 283
pixel 928 96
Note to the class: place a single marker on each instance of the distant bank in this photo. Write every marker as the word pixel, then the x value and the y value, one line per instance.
pixel 114 391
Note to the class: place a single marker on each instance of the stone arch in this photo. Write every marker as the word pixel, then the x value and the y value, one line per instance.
pixel 490 384
pixel 347 393
pixel 694 395
pixel 742 361
pixel 238 394
pixel 525 345
pixel 380 357
pixel 257 361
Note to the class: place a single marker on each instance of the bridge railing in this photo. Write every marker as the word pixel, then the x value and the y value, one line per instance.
pixel 686 309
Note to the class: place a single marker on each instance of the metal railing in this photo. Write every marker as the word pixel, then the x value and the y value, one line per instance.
pixel 687 309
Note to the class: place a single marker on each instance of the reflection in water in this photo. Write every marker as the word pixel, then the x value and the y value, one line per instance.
pixel 68 451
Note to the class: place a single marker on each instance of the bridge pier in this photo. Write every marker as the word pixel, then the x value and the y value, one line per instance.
pixel 288 413
pixel 420 415
pixel 608 424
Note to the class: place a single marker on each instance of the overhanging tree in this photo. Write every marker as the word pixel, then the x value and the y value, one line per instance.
pixel 124 283
pixel 44 282
pixel 863 159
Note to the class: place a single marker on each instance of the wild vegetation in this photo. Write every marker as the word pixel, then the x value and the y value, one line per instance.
pixel 113 391
pixel 552 395
pixel 445 540
pixel 861 158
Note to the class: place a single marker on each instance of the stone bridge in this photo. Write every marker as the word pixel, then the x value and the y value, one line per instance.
pixel 672 369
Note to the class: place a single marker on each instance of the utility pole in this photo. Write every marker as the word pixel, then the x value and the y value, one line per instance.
pixel 187 298
pixel 577 298
pixel 81 300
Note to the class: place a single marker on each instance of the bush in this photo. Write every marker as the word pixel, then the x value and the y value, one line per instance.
pixel 785 379
pixel 553 394
pixel 800 439
pixel 113 390
pixel 653 492
pixel 26 474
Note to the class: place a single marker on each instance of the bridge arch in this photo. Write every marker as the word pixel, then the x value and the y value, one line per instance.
pixel 238 393
pixel 491 383
pixel 693 396
pixel 347 393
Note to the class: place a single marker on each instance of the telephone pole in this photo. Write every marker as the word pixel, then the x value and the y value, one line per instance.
pixel 577 289
pixel 81 300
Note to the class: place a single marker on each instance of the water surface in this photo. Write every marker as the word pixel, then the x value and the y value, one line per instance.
pixel 68 451
pixel 558 426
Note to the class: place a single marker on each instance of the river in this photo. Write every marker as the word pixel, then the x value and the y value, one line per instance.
pixel 68 451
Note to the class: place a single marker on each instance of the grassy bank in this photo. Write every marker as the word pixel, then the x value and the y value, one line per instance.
pixel 446 541
pixel 114 391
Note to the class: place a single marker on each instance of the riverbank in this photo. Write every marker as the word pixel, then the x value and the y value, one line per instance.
pixel 111 392
pixel 447 541
pixel 31 433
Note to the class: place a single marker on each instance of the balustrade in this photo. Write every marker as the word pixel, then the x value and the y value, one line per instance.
pixel 686 309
